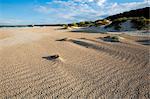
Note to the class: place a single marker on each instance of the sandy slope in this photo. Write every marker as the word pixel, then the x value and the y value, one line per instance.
pixel 89 68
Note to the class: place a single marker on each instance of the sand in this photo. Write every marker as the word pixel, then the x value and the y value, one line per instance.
pixel 87 67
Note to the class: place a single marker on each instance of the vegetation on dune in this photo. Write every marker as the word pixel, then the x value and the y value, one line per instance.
pixel 112 38
pixel 75 25
pixel 117 22
pixel 84 24
pixel 65 26
pixel 80 24
pixel 139 20
pixel 102 22
pixel 87 23
pixel 141 23
pixel 138 23
pixel 144 12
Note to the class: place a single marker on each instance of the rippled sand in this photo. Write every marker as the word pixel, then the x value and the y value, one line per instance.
pixel 88 67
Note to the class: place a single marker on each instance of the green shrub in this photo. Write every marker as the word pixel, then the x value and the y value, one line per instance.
pixel 101 22
pixel 116 23
pixel 117 27
pixel 65 26
pixel 140 23
pixel 85 24
pixel 75 24
pixel 88 22
pixel 115 38
pixel 104 22
pixel 82 24
pixel 119 20
pixel 112 38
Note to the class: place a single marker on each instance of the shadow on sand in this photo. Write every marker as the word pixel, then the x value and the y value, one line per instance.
pixel 52 57
pixel 144 42
pixel 63 39
pixel 61 28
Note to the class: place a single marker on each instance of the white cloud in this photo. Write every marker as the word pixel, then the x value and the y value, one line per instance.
pixel 77 10
pixel 10 21
pixel 118 8
pixel 99 2
pixel 42 9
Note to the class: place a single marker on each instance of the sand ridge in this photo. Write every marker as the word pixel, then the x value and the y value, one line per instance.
pixel 88 68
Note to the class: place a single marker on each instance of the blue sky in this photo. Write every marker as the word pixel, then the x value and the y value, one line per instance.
pixel 62 11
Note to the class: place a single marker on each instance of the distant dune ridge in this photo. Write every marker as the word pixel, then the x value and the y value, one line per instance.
pixel 128 21
pixel 143 12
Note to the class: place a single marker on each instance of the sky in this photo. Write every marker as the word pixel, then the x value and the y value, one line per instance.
pixel 16 12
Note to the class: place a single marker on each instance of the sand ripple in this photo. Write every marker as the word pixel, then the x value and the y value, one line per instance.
pixel 88 68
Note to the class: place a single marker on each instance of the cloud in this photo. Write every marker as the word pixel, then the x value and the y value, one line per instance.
pixel 42 9
pixel 81 10
pixel 118 8
pixel 99 2
pixel 10 21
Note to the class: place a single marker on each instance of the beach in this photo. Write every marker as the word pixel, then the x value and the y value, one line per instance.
pixel 87 67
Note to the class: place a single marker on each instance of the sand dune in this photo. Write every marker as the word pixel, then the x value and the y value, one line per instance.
pixel 88 67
